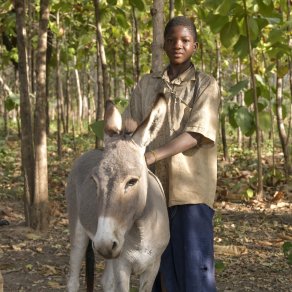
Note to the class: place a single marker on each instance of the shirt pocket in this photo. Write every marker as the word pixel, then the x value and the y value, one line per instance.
pixel 180 116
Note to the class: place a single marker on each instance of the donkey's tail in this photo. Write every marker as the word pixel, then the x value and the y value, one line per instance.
pixel 89 267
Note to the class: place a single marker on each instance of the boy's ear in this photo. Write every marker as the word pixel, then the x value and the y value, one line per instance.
pixel 196 45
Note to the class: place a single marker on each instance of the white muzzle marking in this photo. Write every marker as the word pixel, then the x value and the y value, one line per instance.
pixel 106 240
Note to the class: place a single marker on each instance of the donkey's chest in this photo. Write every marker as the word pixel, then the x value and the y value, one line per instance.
pixel 142 257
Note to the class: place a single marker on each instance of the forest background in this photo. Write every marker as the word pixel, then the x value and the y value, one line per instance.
pixel 61 60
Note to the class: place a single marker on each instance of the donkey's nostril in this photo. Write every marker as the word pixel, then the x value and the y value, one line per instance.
pixel 114 246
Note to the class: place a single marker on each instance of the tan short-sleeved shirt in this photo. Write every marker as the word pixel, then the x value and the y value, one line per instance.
pixel 193 101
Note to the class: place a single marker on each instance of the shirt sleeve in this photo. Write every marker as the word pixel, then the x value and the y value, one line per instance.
pixel 204 114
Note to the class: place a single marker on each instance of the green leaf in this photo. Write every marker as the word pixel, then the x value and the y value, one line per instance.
pixel 235 89
pixel 253 28
pixel 219 265
pixel 287 248
pixel 260 79
pixel 216 22
pixel 262 103
pixel 284 110
pixel 98 129
pixel 112 2
pixel 224 7
pixel 178 5
pixel 122 21
pixel 229 34
pixel 282 71
pixel 275 36
pixel 121 104
pixel 241 47
pixel 139 4
pixel 245 120
pixel 248 97
pixel 267 9
pixel 265 121
pixel 232 107
pixel 12 102
pixel 249 193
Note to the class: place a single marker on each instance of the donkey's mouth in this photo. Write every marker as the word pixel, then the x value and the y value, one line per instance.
pixel 108 254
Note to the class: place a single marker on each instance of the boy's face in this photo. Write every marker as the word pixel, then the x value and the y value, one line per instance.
pixel 179 45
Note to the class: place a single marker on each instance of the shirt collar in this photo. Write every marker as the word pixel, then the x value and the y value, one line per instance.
pixel 187 75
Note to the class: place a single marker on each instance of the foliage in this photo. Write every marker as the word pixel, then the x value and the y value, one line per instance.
pixel 287 250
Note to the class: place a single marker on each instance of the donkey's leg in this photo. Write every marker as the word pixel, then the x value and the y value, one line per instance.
pixel 78 248
pixel 116 276
pixel 147 278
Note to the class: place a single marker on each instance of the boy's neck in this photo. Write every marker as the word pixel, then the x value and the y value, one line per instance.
pixel 174 71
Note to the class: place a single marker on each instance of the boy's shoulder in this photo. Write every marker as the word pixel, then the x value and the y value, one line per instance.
pixel 205 80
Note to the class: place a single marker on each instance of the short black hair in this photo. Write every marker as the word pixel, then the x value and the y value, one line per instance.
pixel 183 21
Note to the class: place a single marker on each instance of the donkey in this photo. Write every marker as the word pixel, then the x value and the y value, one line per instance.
pixel 118 204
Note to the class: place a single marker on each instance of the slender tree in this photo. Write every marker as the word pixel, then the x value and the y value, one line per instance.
pixel 260 189
pixel 105 78
pixel 222 118
pixel 40 213
pixel 27 149
pixel 280 122
pixel 158 25
pixel 59 91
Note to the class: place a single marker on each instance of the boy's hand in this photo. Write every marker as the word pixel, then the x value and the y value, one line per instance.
pixel 150 158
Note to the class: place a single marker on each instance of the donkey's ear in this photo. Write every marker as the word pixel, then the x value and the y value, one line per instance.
pixel 112 119
pixel 149 128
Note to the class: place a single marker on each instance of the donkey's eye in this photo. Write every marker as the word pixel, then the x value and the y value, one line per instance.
pixel 131 182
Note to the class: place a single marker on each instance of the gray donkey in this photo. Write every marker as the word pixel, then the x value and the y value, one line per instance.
pixel 118 204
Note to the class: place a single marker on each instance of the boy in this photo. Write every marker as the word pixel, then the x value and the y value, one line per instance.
pixel 185 159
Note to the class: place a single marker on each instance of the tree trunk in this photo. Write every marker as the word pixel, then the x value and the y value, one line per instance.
pixel 222 118
pixel 5 114
pixel 171 9
pixel 40 210
pixel 281 127
pixel 240 102
pixel 158 39
pixel 105 78
pixel 58 92
pixel 136 48
pixel 27 149
pixel 66 102
pixel 260 189
pixel 79 96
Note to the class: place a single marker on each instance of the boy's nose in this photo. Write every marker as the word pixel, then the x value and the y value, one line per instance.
pixel 178 44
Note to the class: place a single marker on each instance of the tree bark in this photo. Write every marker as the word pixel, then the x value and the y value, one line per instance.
pixel 260 189
pixel 105 78
pixel 40 210
pixel 171 9
pixel 281 127
pixel 27 149
pixel 222 118
pixel 158 38
pixel 136 48
pixel 79 96
pixel 240 102
pixel 59 92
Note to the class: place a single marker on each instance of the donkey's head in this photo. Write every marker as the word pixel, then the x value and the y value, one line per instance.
pixel 121 177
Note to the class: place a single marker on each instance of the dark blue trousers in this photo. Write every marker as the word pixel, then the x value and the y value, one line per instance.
pixel 187 264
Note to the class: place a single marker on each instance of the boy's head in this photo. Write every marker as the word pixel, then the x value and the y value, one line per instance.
pixel 181 21
pixel 180 40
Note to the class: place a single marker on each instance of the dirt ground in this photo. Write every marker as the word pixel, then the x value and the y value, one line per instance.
pixel 249 241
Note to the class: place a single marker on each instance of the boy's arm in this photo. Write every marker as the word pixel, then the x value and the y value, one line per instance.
pixel 181 143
